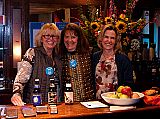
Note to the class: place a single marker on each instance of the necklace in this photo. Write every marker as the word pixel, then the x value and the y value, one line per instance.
pixel 107 57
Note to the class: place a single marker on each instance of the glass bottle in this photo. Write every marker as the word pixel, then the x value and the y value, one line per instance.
pixel 36 98
pixel 158 69
pixel 68 93
pixel 154 72
pixel 152 51
pixel 145 52
pixel 52 93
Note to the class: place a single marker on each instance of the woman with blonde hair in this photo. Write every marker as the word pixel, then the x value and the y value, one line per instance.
pixel 34 65
pixel 111 67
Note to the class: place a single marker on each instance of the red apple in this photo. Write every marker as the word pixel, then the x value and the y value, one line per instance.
pixel 120 89
pixel 124 91
pixel 127 90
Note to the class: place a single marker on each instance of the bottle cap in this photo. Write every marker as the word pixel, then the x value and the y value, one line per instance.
pixel 36 79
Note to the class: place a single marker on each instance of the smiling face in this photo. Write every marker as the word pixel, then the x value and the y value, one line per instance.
pixel 49 40
pixel 70 40
pixel 108 40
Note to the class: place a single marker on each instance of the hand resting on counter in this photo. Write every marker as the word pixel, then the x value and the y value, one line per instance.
pixel 17 100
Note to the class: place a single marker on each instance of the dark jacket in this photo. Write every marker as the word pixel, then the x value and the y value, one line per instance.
pixel 124 67
pixel 41 62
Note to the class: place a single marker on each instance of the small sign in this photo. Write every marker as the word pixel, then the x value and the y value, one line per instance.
pixel 61 25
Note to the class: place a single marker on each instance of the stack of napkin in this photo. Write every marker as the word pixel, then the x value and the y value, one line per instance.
pixel 114 108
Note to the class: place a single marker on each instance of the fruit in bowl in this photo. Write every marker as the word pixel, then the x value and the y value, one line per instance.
pixel 124 100
pixel 122 96
pixel 135 95
pixel 125 90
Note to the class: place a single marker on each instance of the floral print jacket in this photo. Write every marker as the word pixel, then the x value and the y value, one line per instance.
pixel 124 68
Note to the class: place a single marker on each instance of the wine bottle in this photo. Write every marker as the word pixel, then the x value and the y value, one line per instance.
pixel 68 93
pixel 152 51
pixel 36 98
pixel 52 93
pixel 153 72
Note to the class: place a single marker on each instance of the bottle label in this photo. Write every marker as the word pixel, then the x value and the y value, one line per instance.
pixel 68 85
pixel 68 97
pixel 36 86
pixel 154 70
pixel 36 100
pixel 52 97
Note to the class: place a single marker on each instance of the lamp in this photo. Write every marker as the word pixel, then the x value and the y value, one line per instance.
pixel 16 53
pixel 16 36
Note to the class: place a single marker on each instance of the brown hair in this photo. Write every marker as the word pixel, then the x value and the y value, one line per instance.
pixel 83 44
pixel 117 46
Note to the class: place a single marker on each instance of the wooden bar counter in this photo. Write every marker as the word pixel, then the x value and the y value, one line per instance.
pixel 78 111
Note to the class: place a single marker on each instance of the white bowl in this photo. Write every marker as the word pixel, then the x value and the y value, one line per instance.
pixel 118 101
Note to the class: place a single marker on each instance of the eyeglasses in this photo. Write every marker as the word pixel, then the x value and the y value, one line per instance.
pixel 50 36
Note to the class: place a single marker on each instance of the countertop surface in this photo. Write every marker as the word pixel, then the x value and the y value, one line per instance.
pixel 77 110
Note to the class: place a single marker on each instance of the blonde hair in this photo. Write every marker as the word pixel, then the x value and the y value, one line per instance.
pixel 117 46
pixel 48 27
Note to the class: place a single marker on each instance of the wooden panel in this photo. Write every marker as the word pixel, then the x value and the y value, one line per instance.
pixel 41 6
pixel 5 96
pixel 66 1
